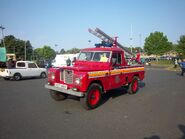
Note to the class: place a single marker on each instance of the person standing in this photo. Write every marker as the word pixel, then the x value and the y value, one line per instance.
pixel 74 60
pixel 103 58
pixel 68 62
pixel 175 63
pixel 138 59
pixel 182 65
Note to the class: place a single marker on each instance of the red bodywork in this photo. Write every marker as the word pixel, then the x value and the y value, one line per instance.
pixel 83 73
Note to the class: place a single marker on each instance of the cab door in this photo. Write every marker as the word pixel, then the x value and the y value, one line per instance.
pixel 33 70
pixel 116 73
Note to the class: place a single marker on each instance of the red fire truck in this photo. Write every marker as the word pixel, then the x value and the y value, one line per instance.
pixel 95 72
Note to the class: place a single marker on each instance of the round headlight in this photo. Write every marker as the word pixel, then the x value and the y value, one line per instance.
pixel 52 76
pixel 77 80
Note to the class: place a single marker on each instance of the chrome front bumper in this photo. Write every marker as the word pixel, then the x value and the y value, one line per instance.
pixel 66 91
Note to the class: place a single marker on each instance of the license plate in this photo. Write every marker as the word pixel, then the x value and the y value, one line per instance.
pixel 64 86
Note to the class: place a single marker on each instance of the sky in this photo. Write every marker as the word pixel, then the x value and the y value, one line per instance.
pixel 64 23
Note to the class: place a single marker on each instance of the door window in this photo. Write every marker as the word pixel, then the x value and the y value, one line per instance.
pixel 116 58
pixel 21 64
pixel 32 65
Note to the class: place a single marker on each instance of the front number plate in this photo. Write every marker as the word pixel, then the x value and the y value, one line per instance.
pixel 64 86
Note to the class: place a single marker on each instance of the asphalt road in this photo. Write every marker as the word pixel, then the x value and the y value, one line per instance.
pixel 157 111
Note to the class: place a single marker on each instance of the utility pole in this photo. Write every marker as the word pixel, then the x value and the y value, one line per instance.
pixel 33 57
pixel 56 51
pixel 2 28
pixel 25 51
pixel 140 40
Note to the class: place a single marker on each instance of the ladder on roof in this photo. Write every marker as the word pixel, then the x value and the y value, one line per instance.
pixel 103 36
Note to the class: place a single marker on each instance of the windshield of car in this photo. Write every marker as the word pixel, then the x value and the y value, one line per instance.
pixel 94 56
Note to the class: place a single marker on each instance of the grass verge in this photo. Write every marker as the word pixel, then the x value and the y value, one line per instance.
pixel 167 64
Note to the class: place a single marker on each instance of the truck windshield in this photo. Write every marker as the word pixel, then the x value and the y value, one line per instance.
pixel 94 56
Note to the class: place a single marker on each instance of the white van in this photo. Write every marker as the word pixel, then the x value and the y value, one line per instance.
pixel 60 59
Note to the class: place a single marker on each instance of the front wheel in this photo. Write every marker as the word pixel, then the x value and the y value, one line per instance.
pixel 134 86
pixel 93 96
pixel 57 95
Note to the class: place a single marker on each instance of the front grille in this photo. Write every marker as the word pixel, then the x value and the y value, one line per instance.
pixel 62 75
pixel 68 76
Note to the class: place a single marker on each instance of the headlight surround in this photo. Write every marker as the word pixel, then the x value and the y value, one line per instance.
pixel 77 81
pixel 52 76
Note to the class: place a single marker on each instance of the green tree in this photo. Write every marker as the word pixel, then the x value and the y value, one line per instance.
pixel 157 44
pixel 45 53
pixel 49 53
pixel 29 50
pixel 38 52
pixel 62 51
pixel 135 49
pixel 17 46
pixel 73 51
pixel 181 46
pixel 10 42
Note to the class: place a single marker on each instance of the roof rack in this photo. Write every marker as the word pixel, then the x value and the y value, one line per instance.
pixel 108 40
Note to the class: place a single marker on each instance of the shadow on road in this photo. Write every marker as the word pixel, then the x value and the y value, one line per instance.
pixel 23 79
pixel 117 93
pixel 179 74
pixel 111 94
pixel 182 129
pixel 142 84
pixel 152 137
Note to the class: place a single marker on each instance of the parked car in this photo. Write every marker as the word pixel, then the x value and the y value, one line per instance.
pixel 23 69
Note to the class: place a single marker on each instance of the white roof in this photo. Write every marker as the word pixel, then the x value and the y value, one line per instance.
pixel 26 61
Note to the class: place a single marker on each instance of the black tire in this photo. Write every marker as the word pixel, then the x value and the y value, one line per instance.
pixel 43 75
pixel 134 86
pixel 93 97
pixel 57 95
pixel 17 76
